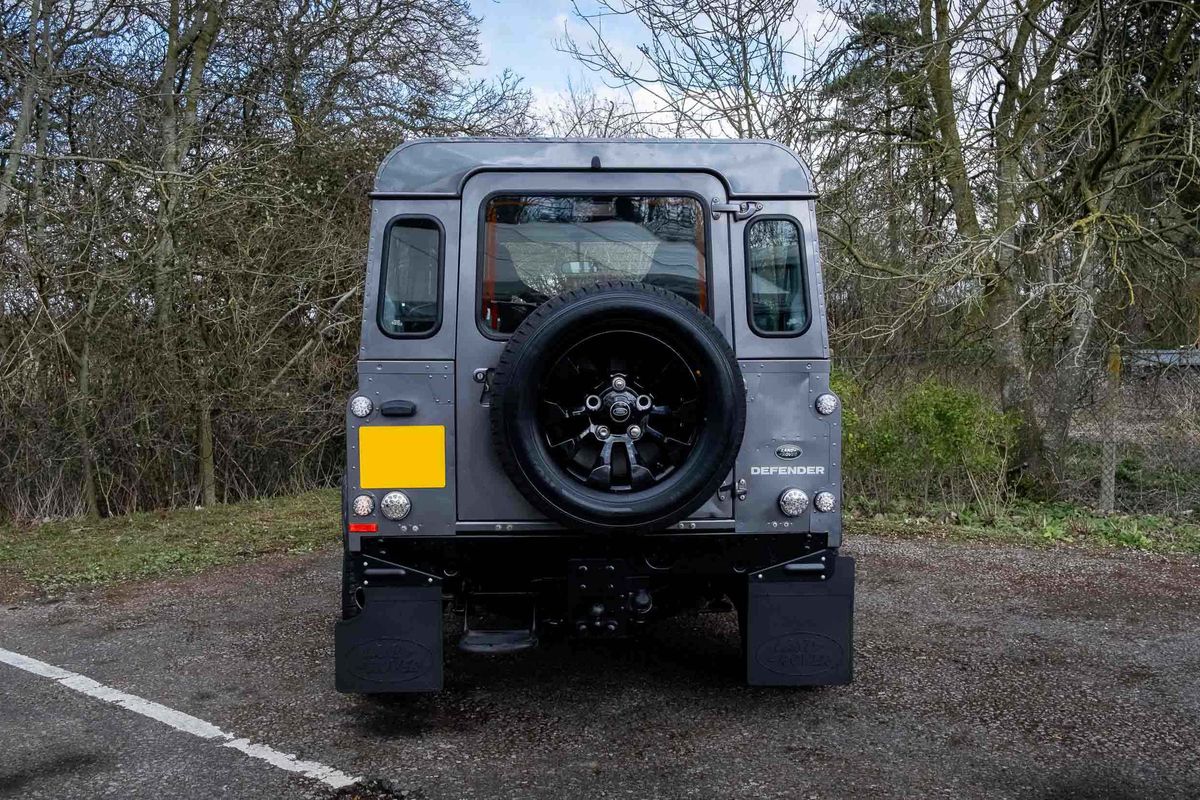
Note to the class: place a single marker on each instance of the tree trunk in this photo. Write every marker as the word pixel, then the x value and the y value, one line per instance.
pixel 1013 376
pixel 1071 370
pixel 1108 461
pixel 189 43
pixel 83 410
pixel 169 164
pixel 208 472
pixel 25 115
pixel 1001 300
pixel 1002 303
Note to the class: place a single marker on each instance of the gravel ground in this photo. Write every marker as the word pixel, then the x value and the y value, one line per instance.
pixel 981 672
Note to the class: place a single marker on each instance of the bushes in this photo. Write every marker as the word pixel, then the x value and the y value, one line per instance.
pixel 932 441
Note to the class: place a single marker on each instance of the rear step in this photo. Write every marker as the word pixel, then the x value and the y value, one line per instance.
pixel 492 641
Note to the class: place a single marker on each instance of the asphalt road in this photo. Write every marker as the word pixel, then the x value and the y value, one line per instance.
pixel 981 672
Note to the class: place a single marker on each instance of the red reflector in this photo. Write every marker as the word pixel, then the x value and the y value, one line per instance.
pixel 364 527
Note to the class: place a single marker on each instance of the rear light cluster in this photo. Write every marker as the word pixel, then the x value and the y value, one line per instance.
pixel 394 506
pixel 793 502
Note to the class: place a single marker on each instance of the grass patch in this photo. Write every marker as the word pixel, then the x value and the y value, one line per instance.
pixel 56 555
pixel 1039 525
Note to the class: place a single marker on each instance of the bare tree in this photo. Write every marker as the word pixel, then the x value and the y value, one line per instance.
pixel 584 113
pixel 182 243
pixel 710 67
pixel 973 159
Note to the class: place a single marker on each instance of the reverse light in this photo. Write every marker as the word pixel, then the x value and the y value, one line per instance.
pixel 361 406
pixel 827 404
pixel 395 505
pixel 824 502
pixel 793 502
pixel 363 505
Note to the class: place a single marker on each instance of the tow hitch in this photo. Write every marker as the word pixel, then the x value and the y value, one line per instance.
pixel 604 598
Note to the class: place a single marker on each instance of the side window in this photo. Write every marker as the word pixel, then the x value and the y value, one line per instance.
pixel 778 302
pixel 410 303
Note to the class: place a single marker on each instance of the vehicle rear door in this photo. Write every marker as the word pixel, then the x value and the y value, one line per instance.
pixel 487 500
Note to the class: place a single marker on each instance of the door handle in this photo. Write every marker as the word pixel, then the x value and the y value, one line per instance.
pixel 398 408
pixel 483 376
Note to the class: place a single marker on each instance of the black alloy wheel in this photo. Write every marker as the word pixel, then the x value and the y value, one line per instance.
pixel 620 410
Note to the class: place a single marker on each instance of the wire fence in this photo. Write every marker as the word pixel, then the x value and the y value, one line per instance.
pixel 1133 444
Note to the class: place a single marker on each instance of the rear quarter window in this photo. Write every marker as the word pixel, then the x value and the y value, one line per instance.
pixel 410 299
pixel 776 294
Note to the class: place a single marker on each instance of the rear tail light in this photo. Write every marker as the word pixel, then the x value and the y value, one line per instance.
pixel 793 502
pixel 361 406
pixel 395 505
pixel 827 404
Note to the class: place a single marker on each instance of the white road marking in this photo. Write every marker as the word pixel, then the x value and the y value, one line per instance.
pixel 177 720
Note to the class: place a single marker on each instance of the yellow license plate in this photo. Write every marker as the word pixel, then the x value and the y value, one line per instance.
pixel 402 457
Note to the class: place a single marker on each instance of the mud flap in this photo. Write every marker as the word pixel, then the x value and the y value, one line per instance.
pixel 799 628
pixel 394 644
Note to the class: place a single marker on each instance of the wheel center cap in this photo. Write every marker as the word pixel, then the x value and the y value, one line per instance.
pixel 619 411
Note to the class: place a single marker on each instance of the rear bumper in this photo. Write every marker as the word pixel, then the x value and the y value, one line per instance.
pixel 500 561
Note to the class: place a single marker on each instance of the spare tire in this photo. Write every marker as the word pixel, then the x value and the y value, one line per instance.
pixel 617 408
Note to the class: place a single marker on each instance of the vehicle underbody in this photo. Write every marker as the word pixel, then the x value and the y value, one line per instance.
pixel 506 593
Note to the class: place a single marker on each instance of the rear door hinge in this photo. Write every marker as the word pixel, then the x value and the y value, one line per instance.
pixel 739 210
pixel 739 490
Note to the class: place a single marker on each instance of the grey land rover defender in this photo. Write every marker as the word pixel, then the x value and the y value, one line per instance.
pixel 593 390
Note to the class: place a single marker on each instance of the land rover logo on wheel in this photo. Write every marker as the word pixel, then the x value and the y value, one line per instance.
pixel 788 451
pixel 390 660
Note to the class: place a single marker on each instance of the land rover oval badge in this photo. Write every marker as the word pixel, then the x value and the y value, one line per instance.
pixel 788 451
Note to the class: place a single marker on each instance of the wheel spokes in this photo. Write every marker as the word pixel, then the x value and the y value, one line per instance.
pixel 624 426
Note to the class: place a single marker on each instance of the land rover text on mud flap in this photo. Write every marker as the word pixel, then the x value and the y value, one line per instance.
pixel 593 390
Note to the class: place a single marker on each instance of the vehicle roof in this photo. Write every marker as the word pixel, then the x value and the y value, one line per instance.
pixel 749 167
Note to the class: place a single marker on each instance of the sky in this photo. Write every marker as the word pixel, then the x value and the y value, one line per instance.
pixel 520 35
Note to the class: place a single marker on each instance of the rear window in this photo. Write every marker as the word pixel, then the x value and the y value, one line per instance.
pixel 776 294
pixel 535 247
pixel 412 273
